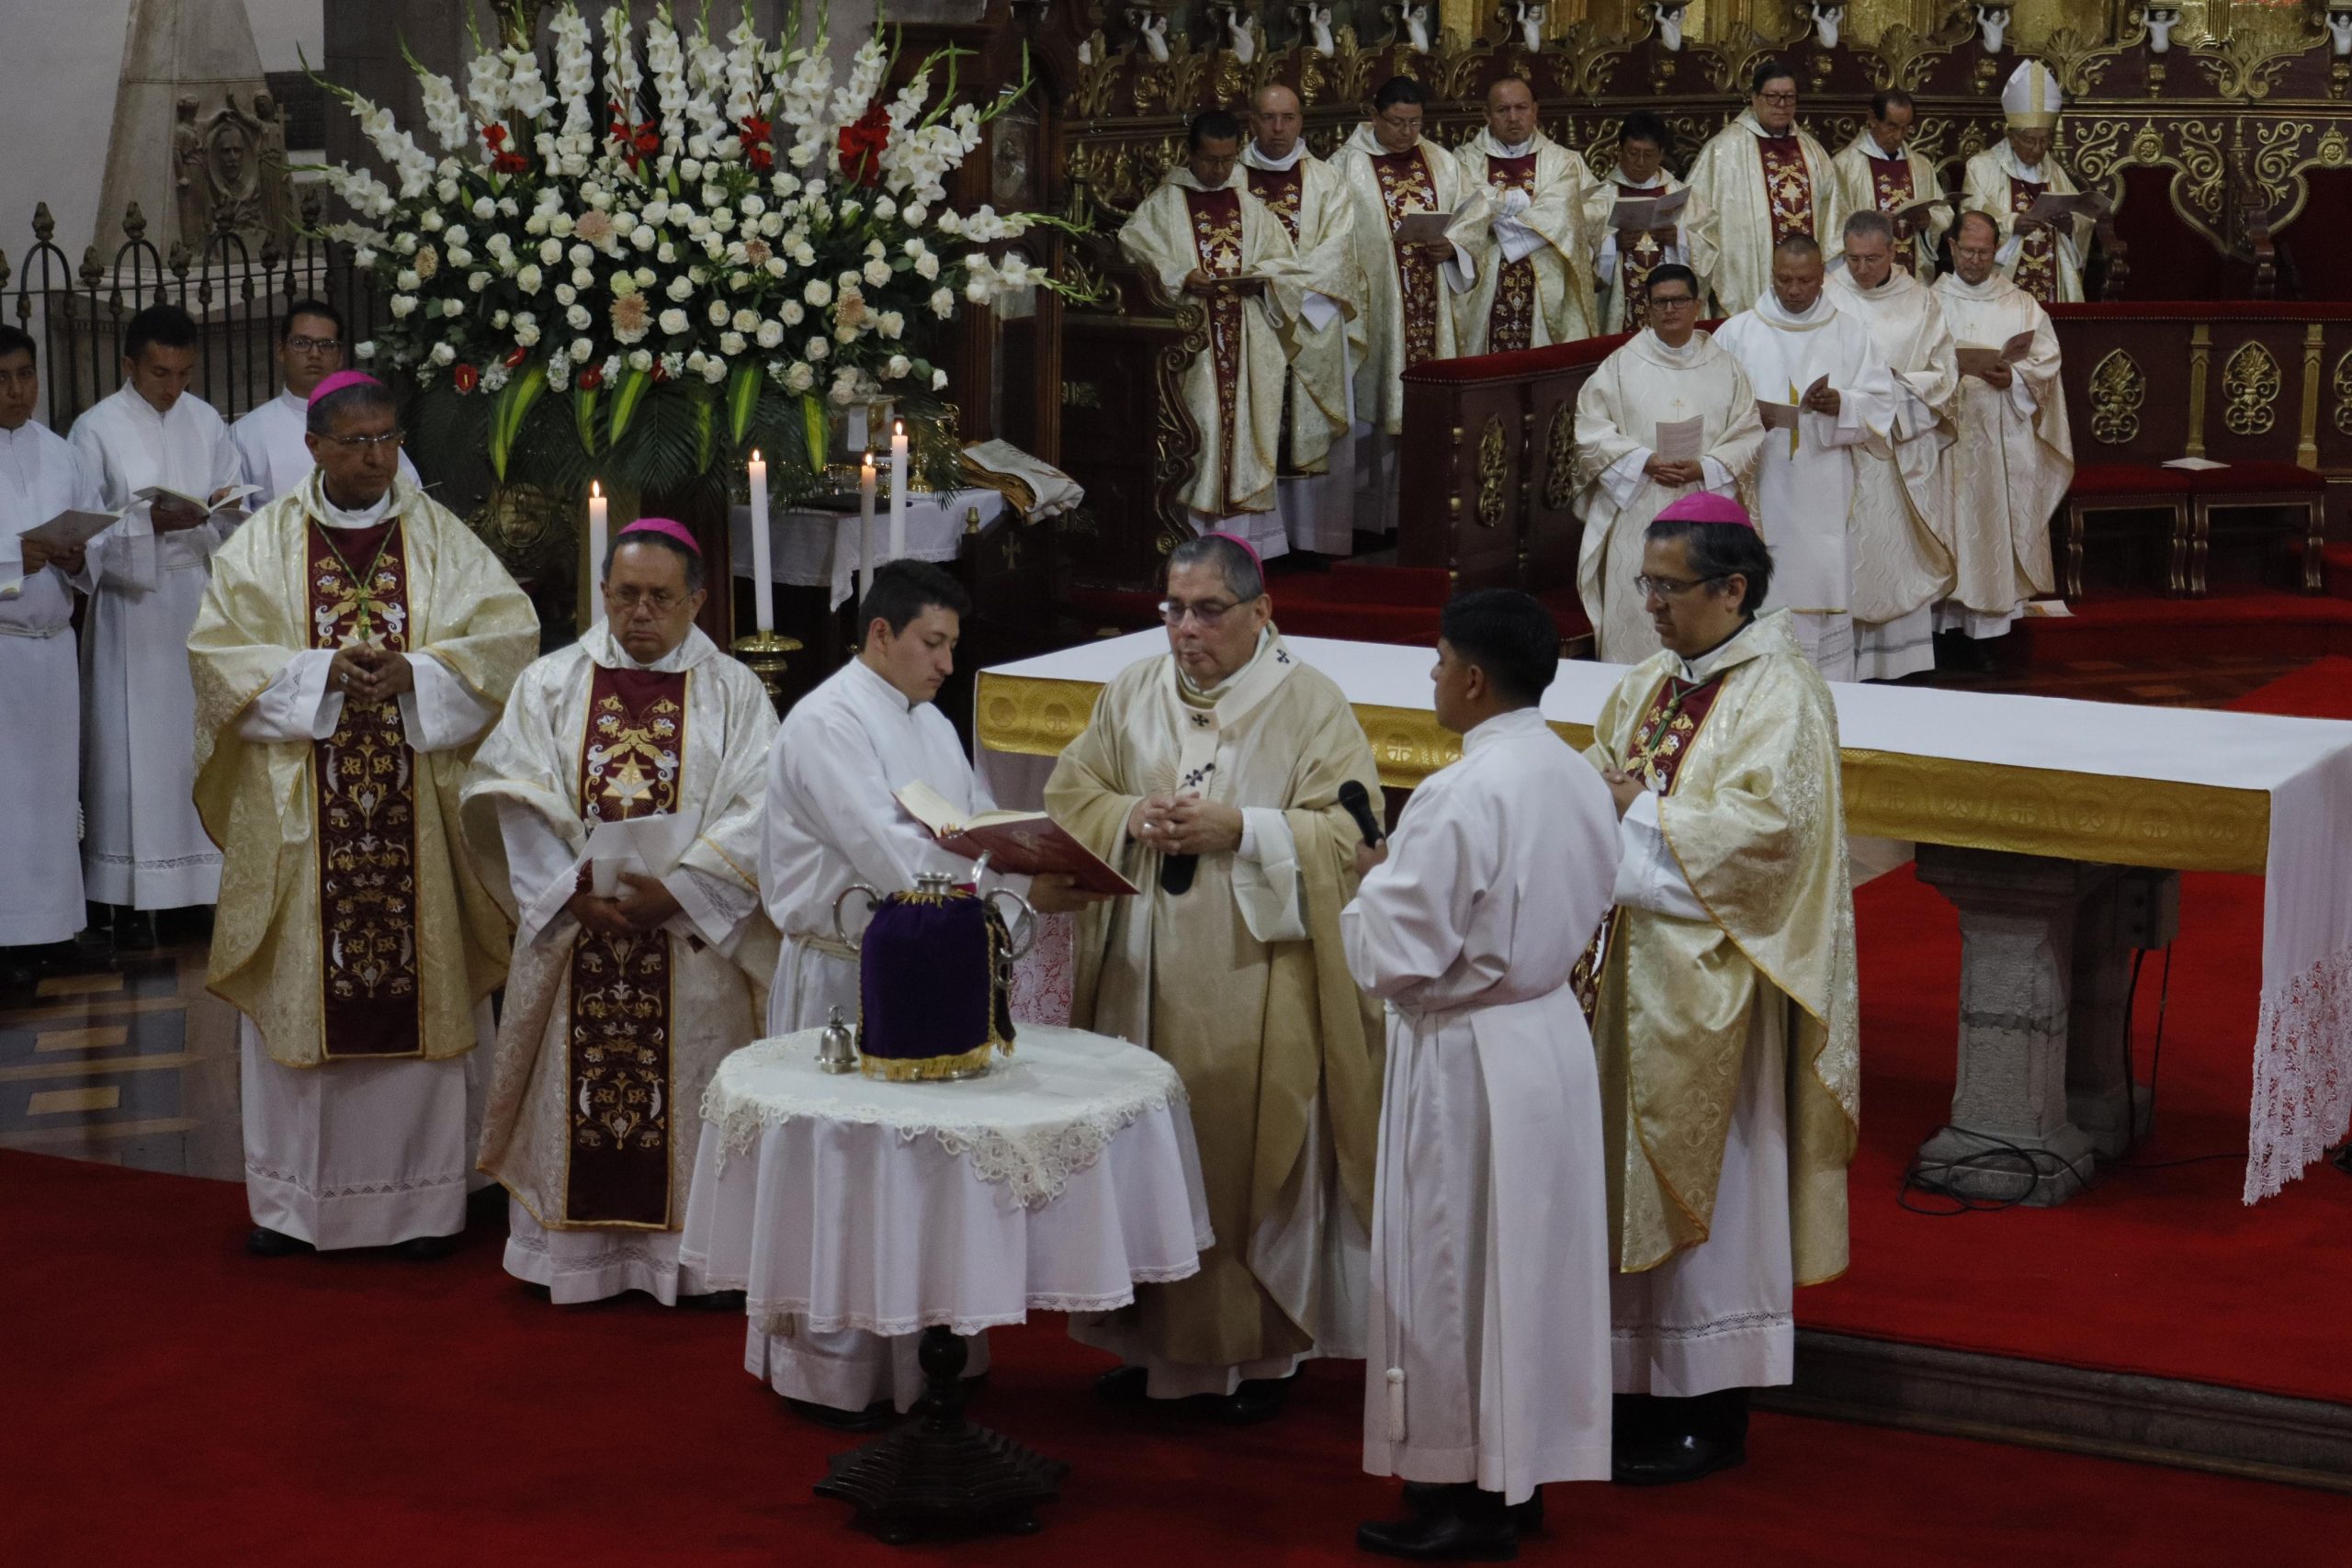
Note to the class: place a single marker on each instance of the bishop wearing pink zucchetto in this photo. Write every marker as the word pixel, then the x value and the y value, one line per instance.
pixel 354 642
pixel 1723 986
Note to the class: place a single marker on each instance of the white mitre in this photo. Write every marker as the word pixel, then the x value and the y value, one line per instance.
pixel 2031 100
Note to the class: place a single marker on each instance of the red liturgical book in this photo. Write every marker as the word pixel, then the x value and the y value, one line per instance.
pixel 1027 843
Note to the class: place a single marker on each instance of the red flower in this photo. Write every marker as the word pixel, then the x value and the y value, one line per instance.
pixel 591 378
pixel 636 142
pixel 659 372
pixel 514 360
pixel 861 146
pixel 757 149
pixel 501 161
pixel 465 378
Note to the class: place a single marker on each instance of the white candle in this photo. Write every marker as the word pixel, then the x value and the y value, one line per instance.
pixel 864 533
pixel 762 587
pixel 596 548
pixel 898 491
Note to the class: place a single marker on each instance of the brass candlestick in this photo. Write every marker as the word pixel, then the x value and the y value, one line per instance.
pixel 764 653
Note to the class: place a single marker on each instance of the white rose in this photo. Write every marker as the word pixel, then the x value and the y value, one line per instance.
pixel 646 277
pixel 526 335
pixel 942 303
pixel 642 359
pixel 890 323
pixel 506 206
pixel 804 255
pixel 770 333
pixel 721 218
pixel 819 293
pixel 484 207
pixel 401 305
pixel 898 368
pixel 407 279
pixel 717 313
pixel 477 281
pixel 939 380
pixel 876 248
pixel 550 252
pixel 560 224
pixel 364 255
pixel 666 254
pixel 366 351
pixel 777 267
pixel 914 214
pixel 528 280
pixel 800 377
pixel 453 307
pixel 772 225
pixel 682 288
pixel 877 273
pixel 699 229
pixel 448 191
pixel 790 312
pixel 442 354
pixel 673 322
pixel 694 361
pixel 849 208
pixel 583 255
pixel 926 266
pixel 643 237
pixel 578 318
pixel 752 204
pixel 581 349
pixel 624 282
pixel 885 208
pixel 977 288
pixel 819 348
pixel 583 278
pixel 460 256
pixel 731 344
pixel 565 294
pixel 536 224
pixel 692 168
pixel 657 211
pixel 745 321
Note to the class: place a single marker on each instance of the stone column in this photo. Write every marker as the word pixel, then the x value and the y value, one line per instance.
pixel 2139 908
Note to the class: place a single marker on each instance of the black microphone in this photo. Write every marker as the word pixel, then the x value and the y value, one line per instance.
pixel 1358 800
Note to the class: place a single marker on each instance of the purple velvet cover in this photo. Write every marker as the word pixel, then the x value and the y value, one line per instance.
pixel 926 982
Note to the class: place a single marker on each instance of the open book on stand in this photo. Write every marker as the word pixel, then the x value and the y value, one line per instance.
pixel 1027 843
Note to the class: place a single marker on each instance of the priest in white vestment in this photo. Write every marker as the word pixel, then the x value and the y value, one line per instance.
pixel 1623 262
pixel 1394 173
pixel 1644 393
pixel 1822 369
pixel 1534 283
pixel 144 848
pixel 41 689
pixel 356 640
pixel 1316 480
pixel 2045 259
pixel 833 820
pixel 1202 233
pixel 1765 178
pixel 1726 1024
pixel 1488 1370
pixel 272 439
pixel 1882 171
pixel 2016 454
pixel 620 1003
pixel 1903 502
pixel 1210 777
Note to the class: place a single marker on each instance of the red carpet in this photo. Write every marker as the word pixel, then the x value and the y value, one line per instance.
pixel 2158 1271
pixel 171 1401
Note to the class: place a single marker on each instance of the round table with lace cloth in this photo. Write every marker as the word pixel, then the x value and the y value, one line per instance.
pixel 1057 1182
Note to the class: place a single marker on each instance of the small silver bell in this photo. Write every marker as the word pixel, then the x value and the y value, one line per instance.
pixel 836 1046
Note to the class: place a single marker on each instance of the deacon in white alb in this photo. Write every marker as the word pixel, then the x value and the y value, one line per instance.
pixel 1791 341
pixel 144 848
pixel 40 690
pixel 1489 1369
pixel 620 1005
pixel 833 819
pixel 270 440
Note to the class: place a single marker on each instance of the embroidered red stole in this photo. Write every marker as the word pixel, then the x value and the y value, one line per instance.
pixel 1407 186
pixel 1669 728
pixel 365 776
pixel 1217 241
pixel 620 1088
pixel 1635 266
pixel 2036 268
pixel 1788 186
pixel 1510 323
pixel 1891 193
pixel 1283 190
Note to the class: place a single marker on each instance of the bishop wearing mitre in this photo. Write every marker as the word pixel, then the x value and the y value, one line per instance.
pixel 1765 178
pixel 1834 400
pixel 2016 456
pixel 356 641
pixel 1317 474
pixel 1210 775
pixel 631 981
pixel 1881 171
pixel 1394 174
pixel 1902 522
pixel 1204 234
pixel 1534 275
pixel 1624 259
pixel 1667 415
pixel 2045 259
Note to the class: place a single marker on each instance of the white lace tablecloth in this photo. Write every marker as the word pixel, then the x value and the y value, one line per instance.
pixel 1057 1182
pixel 819 549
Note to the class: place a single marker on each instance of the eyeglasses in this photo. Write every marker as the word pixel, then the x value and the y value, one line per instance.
pixel 1781 98
pixel 1209 614
pixel 1669 587
pixel 366 443
pixel 314 345
pixel 1671 302
pixel 1399 122
pixel 661 601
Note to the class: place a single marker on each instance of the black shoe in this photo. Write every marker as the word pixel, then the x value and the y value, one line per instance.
pixel 1422 1496
pixel 134 930
pixel 1122 1385
pixel 714 1301
pixel 425 1249
pixel 873 1419
pixel 1257 1400
pixel 1462 1523
pixel 1668 1462
pixel 263 1242
pixel 19 968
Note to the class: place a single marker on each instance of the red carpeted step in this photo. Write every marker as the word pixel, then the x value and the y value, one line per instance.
pixel 2287 625
pixel 2336 564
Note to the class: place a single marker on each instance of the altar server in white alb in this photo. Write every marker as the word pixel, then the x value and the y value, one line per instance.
pixel 833 819
pixel 1535 267
pixel 40 690
pixel 354 642
pixel 144 848
pixel 621 1002
pixel 1489 1369
pixel 272 439
pixel 2016 454
pixel 1802 353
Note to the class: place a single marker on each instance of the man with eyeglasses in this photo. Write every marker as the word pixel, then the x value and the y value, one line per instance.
pixel 1394 173
pixel 1725 1026
pixel 2016 454
pixel 1210 775
pixel 626 989
pixel 1765 178
pixel 143 849
pixel 1535 267
pixel 273 439
pixel 1670 386
pixel 1625 260
pixel 356 641
pixel 2003 182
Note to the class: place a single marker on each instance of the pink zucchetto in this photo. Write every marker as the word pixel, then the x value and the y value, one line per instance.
pixel 1707 507
pixel 665 527
pixel 330 385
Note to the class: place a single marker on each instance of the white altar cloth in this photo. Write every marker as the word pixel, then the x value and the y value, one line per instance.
pixel 2302 1057
pixel 1056 1183
pixel 821 550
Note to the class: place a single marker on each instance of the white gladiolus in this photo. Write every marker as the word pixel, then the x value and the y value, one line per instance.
pixel 877 273
pixel 673 363
pixel 770 334
pixel 673 322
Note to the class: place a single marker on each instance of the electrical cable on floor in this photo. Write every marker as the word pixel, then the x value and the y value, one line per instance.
pixel 2156 1065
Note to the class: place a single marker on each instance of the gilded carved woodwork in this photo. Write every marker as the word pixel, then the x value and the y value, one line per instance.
pixel 2340 385
pixel 2118 389
pixel 2201 370
pixel 2250 384
pixel 2307 410
pixel 1560 456
pixel 1492 466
